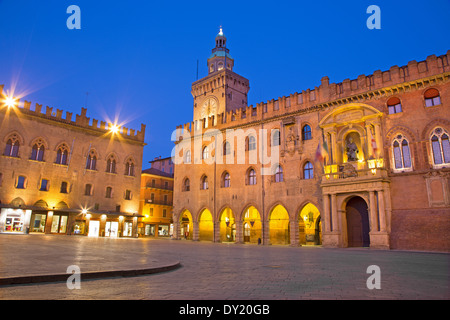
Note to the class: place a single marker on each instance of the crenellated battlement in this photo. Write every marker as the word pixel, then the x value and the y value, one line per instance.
pixel 81 120
pixel 380 83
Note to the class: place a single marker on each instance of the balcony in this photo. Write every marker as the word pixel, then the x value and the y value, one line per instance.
pixel 354 171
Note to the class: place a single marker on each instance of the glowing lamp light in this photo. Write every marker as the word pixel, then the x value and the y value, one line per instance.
pixel 114 129
pixel 84 211
pixel 10 102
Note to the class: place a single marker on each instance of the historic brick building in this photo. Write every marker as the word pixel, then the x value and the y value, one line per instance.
pixel 67 176
pixel 255 173
pixel 156 199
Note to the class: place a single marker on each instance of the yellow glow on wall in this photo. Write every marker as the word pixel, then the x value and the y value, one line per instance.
pixel 279 226
pixel 227 226
pixel 252 225
pixel 307 223
pixel 206 226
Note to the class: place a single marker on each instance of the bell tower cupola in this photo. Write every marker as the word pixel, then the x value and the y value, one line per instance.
pixel 220 57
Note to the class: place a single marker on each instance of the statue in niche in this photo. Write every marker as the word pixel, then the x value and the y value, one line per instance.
pixel 352 150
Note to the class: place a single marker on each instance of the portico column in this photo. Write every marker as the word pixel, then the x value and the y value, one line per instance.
pixel 195 231
pixel 381 211
pixel 216 231
pixel 239 232
pixel 176 230
pixel 326 212
pixel 373 212
pixel 334 213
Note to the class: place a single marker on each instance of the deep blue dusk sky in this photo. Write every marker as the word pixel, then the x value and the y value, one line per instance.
pixel 138 59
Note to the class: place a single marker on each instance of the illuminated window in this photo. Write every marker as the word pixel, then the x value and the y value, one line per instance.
pixel 440 146
pixel 402 154
pixel 394 105
pixel 308 170
pixel 432 97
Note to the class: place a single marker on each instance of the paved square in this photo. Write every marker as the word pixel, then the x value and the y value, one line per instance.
pixel 218 271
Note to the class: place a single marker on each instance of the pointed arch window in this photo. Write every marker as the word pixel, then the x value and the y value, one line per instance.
pixel 226 148
pixel 12 146
pixel 186 185
pixel 129 168
pixel 276 140
pixel 62 155
pixel 187 157
pixel 91 162
pixel 37 151
pixel 205 153
pixel 401 152
pixel 111 164
pixel 440 146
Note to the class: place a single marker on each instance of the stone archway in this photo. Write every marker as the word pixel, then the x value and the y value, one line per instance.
pixel 252 226
pixel 186 225
pixel 310 226
pixel 227 226
pixel 205 226
pixel 279 227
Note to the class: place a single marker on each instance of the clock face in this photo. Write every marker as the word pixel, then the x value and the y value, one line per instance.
pixel 209 107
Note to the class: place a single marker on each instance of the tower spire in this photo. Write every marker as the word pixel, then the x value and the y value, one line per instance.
pixel 220 57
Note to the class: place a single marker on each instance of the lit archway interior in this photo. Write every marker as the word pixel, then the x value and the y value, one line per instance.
pixel 252 225
pixel 205 226
pixel 309 225
pixel 227 226
pixel 279 226
pixel 186 225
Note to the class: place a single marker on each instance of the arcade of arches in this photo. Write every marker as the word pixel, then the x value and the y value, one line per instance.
pixel 249 227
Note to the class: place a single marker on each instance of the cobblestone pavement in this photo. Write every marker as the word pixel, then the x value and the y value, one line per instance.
pixel 218 271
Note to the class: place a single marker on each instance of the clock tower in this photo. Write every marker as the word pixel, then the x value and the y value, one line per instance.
pixel 221 90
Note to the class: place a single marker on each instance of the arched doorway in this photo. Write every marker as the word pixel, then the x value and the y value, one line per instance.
pixel 252 225
pixel 309 226
pixel 186 225
pixel 227 226
pixel 357 223
pixel 279 232
pixel 205 226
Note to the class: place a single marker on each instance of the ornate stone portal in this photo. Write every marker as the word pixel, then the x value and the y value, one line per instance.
pixel 354 169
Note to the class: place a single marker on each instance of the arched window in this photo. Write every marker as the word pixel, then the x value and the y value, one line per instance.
pixel 432 97
pixel 402 154
pixel 226 148
pixel 91 161
pixel 306 132
pixel 440 146
pixel 205 153
pixel 251 143
pixel 251 177
pixel 186 185
pixel 62 155
pixel 204 183
pixel 129 168
pixel 279 174
pixel 187 157
pixel 308 171
pixel 111 164
pixel 394 105
pixel 12 146
pixel 226 180
pixel 276 140
pixel 37 151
